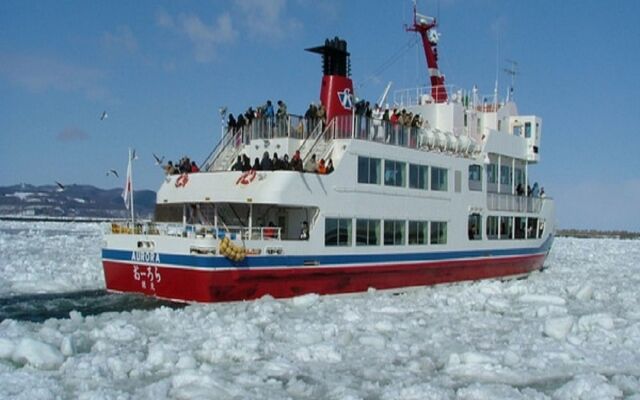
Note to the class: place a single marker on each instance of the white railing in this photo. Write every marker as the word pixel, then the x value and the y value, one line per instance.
pixel 197 231
pixel 510 202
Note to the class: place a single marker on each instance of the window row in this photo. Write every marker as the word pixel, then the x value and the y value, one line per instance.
pixel 395 174
pixel 505 228
pixel 390 232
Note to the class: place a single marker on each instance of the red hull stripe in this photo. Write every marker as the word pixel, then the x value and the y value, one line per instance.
pixel 248 283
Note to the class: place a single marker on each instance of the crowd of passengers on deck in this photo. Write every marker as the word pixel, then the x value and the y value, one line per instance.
pixel 184 166
pixel 275 163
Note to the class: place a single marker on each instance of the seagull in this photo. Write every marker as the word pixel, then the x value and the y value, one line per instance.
pixel 60 186
pixel 158 159
pixel 113 172
pixel 104 116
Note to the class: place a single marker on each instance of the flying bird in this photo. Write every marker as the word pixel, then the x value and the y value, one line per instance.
pixel 104 116
pixel 113 172
pixel 60 186
pixel 158 159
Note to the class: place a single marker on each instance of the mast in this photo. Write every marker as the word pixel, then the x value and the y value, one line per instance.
pixel 425 26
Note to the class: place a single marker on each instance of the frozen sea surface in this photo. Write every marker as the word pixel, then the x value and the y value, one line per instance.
pixel 570 332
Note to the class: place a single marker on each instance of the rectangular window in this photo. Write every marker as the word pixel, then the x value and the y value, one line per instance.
pixel 519 176
pixel 474 227
pixel 506 227
pixel 393 232
pixel 337 232
pixel 475 177
pixel 367 232
pixel 438 232
pixel 532 228
pixel 517 130
pixel 439 179
pixel 394 173
pixel 492 173
pixel 418 176
pixel 368 170
pixel 492 227
pixel 527 129
pixel 418 232
pixel 505 175
pixel 520 227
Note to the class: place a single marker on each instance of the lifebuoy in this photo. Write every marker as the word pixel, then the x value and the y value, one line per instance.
pixel 182 180
pixel 247 177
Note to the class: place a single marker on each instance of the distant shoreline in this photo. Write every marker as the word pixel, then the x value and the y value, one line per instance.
pixel 42 218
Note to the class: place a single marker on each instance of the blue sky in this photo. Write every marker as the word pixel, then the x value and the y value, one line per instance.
pixel 161 70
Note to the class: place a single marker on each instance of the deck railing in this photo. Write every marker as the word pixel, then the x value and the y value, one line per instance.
pixel 197 231
pixel 341 127
pixel 510 202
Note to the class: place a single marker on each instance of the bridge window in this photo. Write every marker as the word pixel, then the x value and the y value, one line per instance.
pixel 393 232
pixel 475 227
pixel 438 232
pixel 418 232
pixel 368 170
pixel 475 177
pixel 394 173
pixel 367 232
pixel 527 129
pixel 418 176
pixel 439 179
pixel 492 227
pixel 337 232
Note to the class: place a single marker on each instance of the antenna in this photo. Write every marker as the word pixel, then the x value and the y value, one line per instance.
pixel 513 71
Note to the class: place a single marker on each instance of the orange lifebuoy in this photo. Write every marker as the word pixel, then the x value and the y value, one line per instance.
pixel 247 177
pixel 182 180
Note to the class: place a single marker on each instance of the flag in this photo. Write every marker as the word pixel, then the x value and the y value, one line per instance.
pixel 128 184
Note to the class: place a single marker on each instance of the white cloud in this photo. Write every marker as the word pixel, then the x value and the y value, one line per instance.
pixel 204 37
pixel 40 73
pixel 266 19
pixel 122 38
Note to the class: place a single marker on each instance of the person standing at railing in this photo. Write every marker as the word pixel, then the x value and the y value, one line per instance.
pixel 311 116
pixel 269 115
pixel 321 115
pixel 231 124
pixel 240 124
pixel 281 118
pixel 310 165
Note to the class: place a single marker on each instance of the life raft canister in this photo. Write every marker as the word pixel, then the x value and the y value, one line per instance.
pixel 182 180
pixel 247 177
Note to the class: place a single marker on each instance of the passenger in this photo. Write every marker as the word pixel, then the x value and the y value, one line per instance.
pixel 542 192
pixel 194 167
pixel 270 231
pixel 268 110
pixel 285 163
pixel 311 116
pixel 256 165
pixel 265 164
pixel 330 166
pixel 296 162
pixel 249 115
pixel 535 191
pixel 304 231
pixel 231 123
pixel 246 163
pixel 322 168
pixel 275 162
pixel 321 115
pixel 238 164
pixel 169 169
pixel 520 189
pixel 310 166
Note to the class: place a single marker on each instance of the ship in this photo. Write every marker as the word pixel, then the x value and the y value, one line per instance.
pixel 433 188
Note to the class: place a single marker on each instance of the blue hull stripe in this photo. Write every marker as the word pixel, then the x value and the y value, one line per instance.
pixel 356 259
